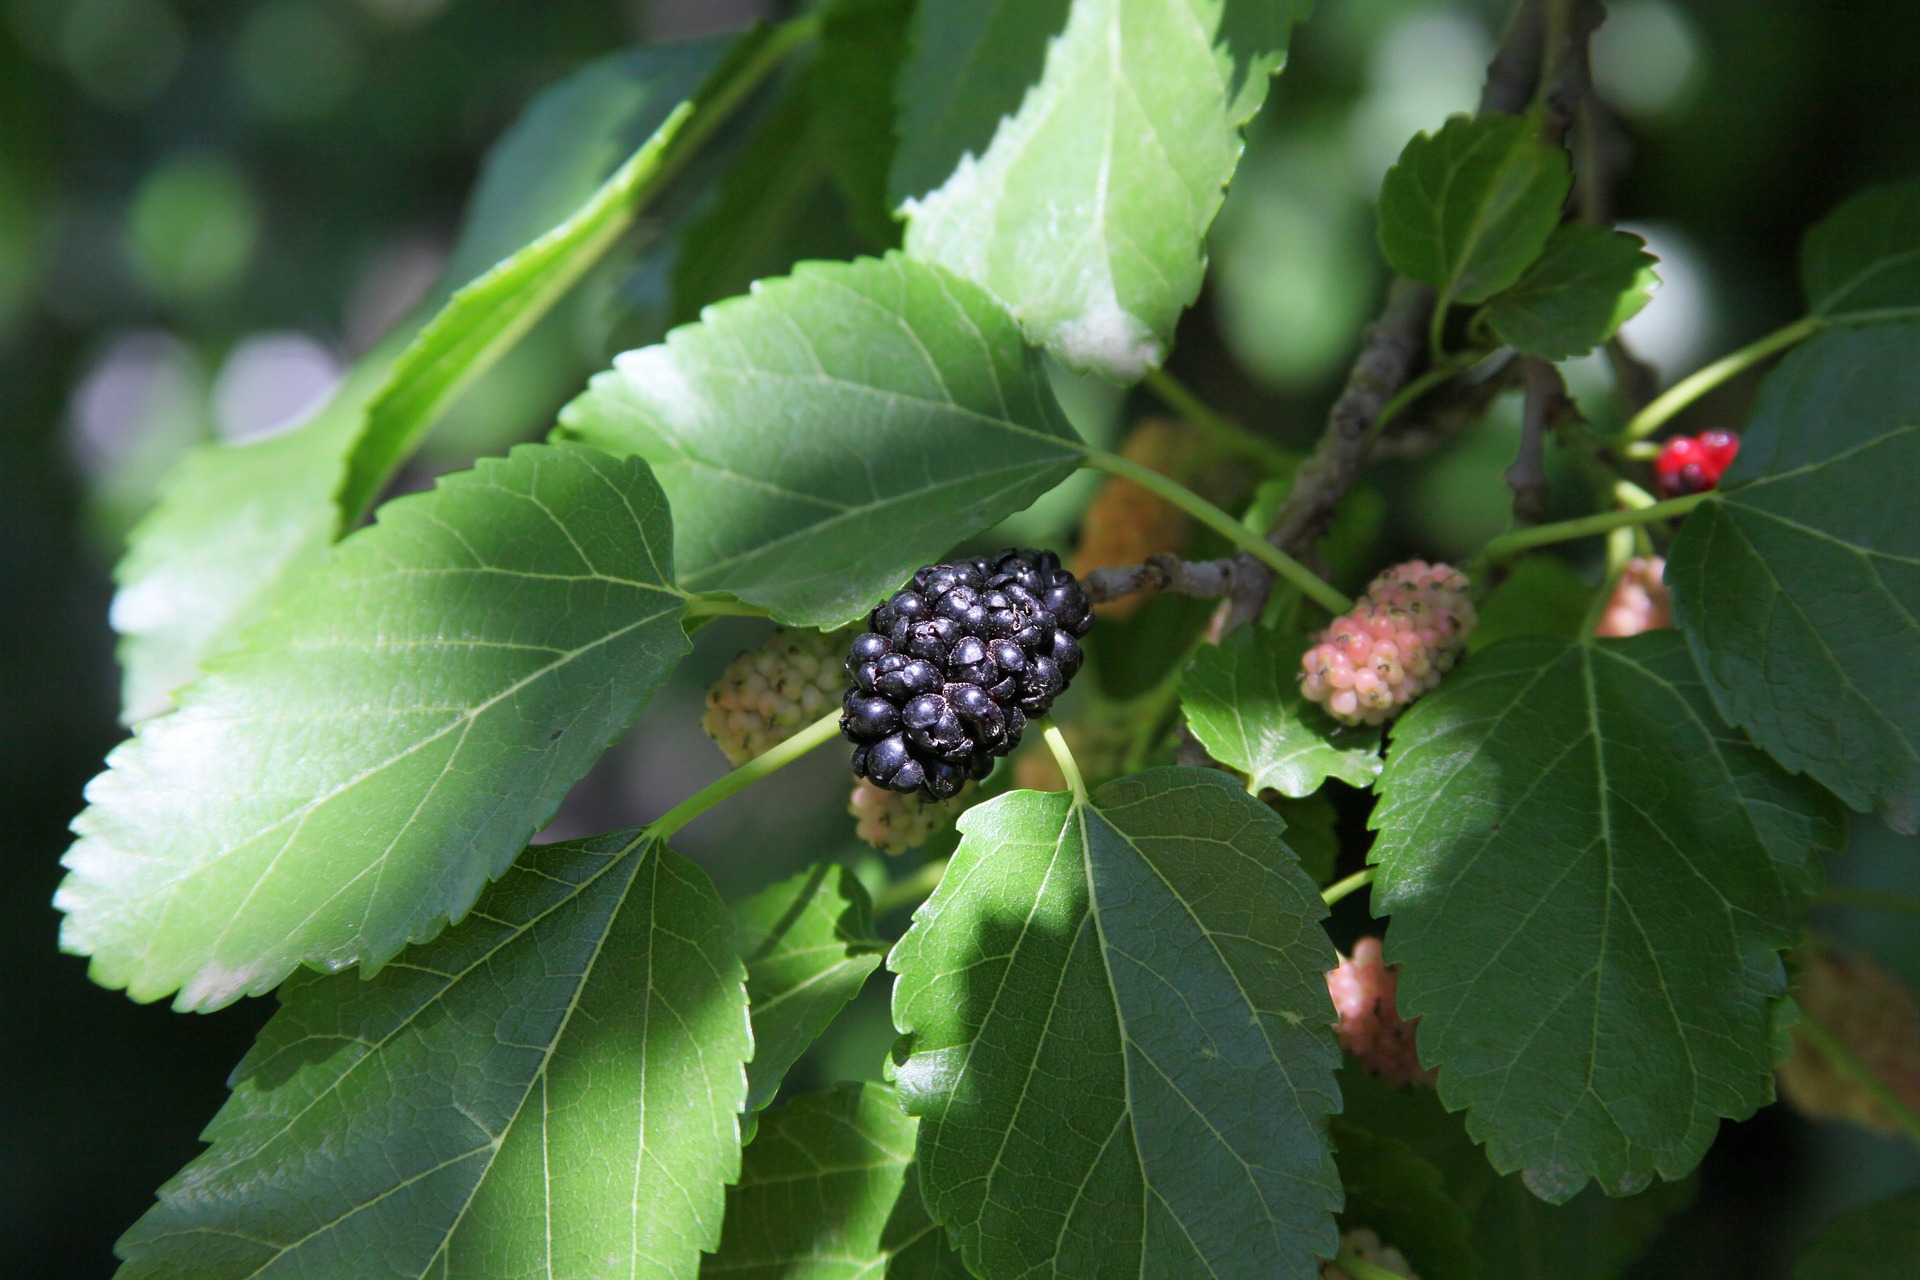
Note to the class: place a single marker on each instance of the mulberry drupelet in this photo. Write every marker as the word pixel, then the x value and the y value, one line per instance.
pixel 950 669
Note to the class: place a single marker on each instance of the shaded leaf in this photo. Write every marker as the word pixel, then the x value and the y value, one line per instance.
pixel 1798 580
pixel 1311 822
pixel 237 525
pixel 862 46
pixel 1116 1037
pixel 808 945
pixel 1591 880
pixel 383 744
pixel 1243 702
pixel 1467 209
pixel 553 1085
pixel 969 63
pixel 1404 1199
pixel 795 430
pixel 1585 284
pixel 828 1192
pixel 1861 263
pixel 1087 214
pixel 1542 596
pixel 1591 1237
pixel 1879 1242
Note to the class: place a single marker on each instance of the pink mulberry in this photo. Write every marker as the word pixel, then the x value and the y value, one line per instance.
pixel 1370 1027
pixel 1872 1013
pixel 1393 646
pixel 1640 602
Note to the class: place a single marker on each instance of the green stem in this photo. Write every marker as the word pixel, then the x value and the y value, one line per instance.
pixel 721 607
pixel 1229 435
pixel 823 730
pixel 1694 385
pixel 1508 545
pixel 1437 331
pixel 911 891
pixel 1069 767
pixel 1858 1072
pixel 1224 525
pixel 1341 888
pixel 1840 895
pixel 1451 367
pixel 1360 1269
pixel 1619 551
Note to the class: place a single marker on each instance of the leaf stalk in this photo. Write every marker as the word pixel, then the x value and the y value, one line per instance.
pixel 1069 767
pixel 1226 433
pixel 1696 384
pixel 1341 888
pixel 1509 545
pixel 772 760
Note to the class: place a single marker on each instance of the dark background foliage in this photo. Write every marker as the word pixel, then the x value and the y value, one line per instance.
pixel 207 205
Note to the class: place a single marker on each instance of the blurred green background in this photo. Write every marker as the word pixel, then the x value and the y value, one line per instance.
pixel 208 207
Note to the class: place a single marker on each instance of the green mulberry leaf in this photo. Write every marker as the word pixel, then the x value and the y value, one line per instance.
pixel 809 947
pixel 1088 212
pixel 553 1086
pixel 1469 208
pixel 238 525
pixel 1586 283
pixel 1879 1242
pixel 828 1192
pixel 862 46
pixel 1115 1020
pixel 376 750
pixel 1798 580
pixel 1403 1199
pixel 1591 879
pixel 796 431
pixel 1862 262
pixel 1244 704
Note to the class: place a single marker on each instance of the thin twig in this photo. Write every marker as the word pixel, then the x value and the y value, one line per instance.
pixel 1546 403
pixel 1205 579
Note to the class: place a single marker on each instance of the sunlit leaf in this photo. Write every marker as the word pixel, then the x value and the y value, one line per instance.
pixel 828 1192
pixel 1087 214
pixel 808 945
pixel 1585 284
pixel 1243 702
pixel 1591 879
pixel 1469 208
pixel 1798 581
pixel 551 1087
pixel 796 432
pixel 386 741
pixel 1115 1017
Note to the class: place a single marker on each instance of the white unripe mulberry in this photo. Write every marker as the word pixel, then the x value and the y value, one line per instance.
pixel 1392 646
pixel 1365 1244
pixel 768 694
pixel 894 822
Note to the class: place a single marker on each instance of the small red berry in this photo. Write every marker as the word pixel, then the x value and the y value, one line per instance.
pixel 1694 464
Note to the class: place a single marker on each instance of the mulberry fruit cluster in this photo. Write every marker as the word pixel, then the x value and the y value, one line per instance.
pixel 1640 600
pixel 950 670
pixel 1394 645
pixel 1872 1013
pixel 894 823
pixel 1364 1243
pixel 1370 1028
pixel 1694 464
pixel 1127 523
pixel 768 694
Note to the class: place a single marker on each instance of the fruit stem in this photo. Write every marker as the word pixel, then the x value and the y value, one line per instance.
pixel 1840 895
pixel 1359 1268
pixel 1223 524
pixel 774 758
pixel 1862 1075
pixel 1225 432
pixel 1696 384
pixel 1063 756
pixel 910 891
pixel 1341 888
pixel 1509 545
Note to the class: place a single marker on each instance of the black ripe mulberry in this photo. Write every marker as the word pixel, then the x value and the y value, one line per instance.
pixel 950 669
